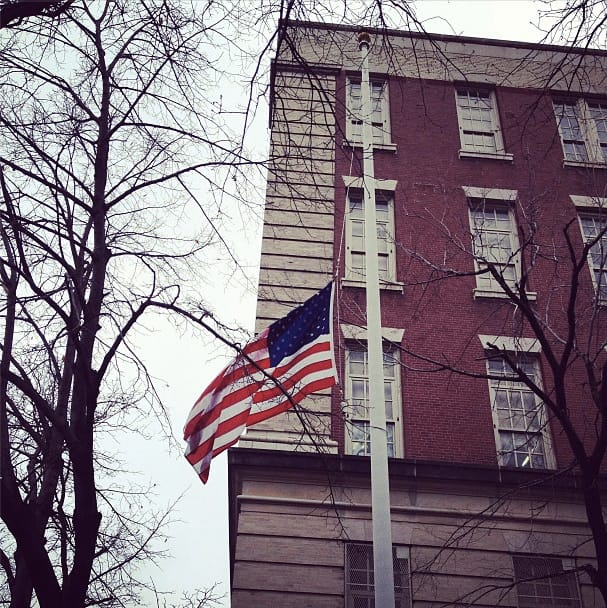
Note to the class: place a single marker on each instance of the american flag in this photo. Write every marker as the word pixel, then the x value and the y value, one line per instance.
pixel 289 360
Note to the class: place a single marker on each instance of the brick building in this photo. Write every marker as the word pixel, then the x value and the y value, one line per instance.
pixel 485 152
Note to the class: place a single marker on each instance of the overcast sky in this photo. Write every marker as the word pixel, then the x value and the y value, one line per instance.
pixel 199 543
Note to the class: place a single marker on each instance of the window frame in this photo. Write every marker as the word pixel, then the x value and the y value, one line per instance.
pixel 595 148
pixel 530 583
pixel 470 150
pixel 382 126
pixel 597 217
pixel 351 274
pixel 486 285
pixel 348 405
pixel 401 557
pixel 511 386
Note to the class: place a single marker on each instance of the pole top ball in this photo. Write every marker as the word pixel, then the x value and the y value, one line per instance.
pixel 364 40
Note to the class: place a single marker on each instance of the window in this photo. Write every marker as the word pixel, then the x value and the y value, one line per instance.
pixel 521 429
pixel 355 243
pixel 380 115
pixel 583 129
pixel 478 122
pixel 542 582
pixel 594 228
pixel 358 436
pixel 598 113
pixel 359 577
pixel 494 243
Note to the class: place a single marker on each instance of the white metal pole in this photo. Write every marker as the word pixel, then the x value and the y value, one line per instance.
pixel 380 483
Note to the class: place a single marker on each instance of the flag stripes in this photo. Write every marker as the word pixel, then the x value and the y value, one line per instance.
pixel 251 390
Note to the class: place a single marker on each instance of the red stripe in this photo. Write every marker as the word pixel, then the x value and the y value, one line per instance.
pixel 209 415
pixel 283 406
pixel 258 344
pixel 290 382
pixel 252 419
pixel 245 417
pixel 226 378
pixel 319 347
pixel 223 428
pixel 204 474
pixel 202 418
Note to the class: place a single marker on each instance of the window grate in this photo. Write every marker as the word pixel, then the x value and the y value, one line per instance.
pixel 360 586
pixel 541 582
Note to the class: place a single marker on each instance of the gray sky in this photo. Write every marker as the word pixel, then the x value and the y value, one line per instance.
pixel 199 543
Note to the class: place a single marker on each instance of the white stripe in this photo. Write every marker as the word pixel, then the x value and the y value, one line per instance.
pixel 226 438
pixel 208 431
pixel 278 399
pixel 210 401
pixel 308 378
pixel 305 361
pixel 202 435
pixel 219 442
pixel 239 361
pixel 323 338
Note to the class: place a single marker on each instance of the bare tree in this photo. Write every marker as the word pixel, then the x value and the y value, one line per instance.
pixel 567 326
pixel 15 11
pixel 111 128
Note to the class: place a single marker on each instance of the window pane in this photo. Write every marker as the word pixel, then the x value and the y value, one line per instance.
pixel 571 134
pixel 361 442
pixel 542 582
pixel 358 404
pixel 592 227
pixel 378 111
pixel 518 414
pixel 477 120
pixel 360 581
pixel 599 116
pixel 492 242
pixel 355 265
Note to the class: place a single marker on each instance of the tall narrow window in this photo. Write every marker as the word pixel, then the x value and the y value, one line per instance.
pixel 478 121
pixel 380 115
pixel 572 137
pixel 358 436
pixel 598 112
pixel 494 243
pixel 583 129
pixel 542 581
pixel 355 243
pixel 360 587
pixel 594 229
pixel 521 428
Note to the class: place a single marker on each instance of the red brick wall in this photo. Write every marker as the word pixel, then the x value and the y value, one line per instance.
pixel 447 416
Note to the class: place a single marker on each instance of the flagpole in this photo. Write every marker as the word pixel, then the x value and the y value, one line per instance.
pixel 380 483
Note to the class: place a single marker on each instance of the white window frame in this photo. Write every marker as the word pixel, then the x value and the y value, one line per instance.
pixel 589 145
pixel 358 578
pixel 358 384
pixel 474 95
pixel 497 201
pixel 380 113
pixel 516 396
pixel 544 583
pixel 355 250
pixel 599 249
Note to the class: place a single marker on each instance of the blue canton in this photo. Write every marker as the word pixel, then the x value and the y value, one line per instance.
pixel 300 327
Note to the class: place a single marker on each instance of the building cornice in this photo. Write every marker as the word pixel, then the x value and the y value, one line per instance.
pixel 446 38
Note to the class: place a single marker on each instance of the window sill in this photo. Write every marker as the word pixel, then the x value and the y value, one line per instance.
pixel 391 286
pixel 494 293
pixel 487 155
pixel 584 163
pixel 358 144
